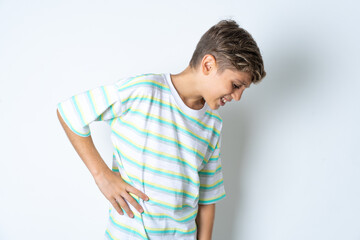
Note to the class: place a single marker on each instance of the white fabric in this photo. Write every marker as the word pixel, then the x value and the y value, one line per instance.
pixel 161 147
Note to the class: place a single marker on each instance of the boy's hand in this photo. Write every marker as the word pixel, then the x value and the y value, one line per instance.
pixel 115 189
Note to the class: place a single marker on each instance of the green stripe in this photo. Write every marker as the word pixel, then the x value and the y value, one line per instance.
pixel 145 83
pixel 92 104
pixel 170 231
pixel 107 103
pixel 144 149
pixel 210 114
pixel 212 187
pixel 156 171
pixel 174 109
pixel 148 134
pixel 170 124
pixel 163 205
pixel 213 200
pixel 151 216
pixel 127 229
pixel 78 110
pixel 63 115
pixel 177 193
pixel 210 173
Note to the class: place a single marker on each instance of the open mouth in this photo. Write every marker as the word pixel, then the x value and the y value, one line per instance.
pixel 222 101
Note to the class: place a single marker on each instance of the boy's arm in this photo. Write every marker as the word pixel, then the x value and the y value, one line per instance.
pixel 85 148
pixel 113 187
pixel 205 221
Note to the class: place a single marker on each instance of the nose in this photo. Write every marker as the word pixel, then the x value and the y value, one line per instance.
pixel 237 94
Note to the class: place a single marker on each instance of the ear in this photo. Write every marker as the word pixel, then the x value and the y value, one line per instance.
pixel 208 64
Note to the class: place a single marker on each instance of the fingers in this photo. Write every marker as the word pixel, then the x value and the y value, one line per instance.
pixel 129 188
pixel 137 192
pixel 133 202
pixel 123 193
pixel 124 206
pixel 120 204
pixel 116 206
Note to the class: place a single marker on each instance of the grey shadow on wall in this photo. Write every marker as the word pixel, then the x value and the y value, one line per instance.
pixel 287 78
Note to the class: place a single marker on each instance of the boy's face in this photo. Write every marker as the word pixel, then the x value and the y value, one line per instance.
pixel 229 84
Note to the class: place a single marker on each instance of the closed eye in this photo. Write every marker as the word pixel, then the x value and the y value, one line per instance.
pixel 236 86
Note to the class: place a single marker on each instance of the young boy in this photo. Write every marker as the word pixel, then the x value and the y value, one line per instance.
pixel 166 131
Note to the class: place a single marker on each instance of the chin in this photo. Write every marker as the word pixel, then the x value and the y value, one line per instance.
pixel 216 107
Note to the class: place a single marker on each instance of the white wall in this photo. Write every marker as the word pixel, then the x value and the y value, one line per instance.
pixel 290 149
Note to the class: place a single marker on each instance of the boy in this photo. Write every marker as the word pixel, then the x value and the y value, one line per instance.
pixel 166 133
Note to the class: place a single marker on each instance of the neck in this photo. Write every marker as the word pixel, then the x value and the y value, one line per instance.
pixel 187 84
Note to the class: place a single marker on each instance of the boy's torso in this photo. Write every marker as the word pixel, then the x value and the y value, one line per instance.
pixel 160 145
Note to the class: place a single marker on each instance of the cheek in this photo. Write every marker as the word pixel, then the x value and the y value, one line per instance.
pixel 215 94
pixel 220 91
pixel 216 90
pixel 210 92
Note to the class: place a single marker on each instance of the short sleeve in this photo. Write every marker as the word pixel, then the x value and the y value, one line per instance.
pixel 212 187
pixel 97 104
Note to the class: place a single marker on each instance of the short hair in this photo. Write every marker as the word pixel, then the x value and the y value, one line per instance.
pixel 233 48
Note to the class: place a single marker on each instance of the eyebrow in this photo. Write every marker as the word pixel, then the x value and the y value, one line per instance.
pixel 243 83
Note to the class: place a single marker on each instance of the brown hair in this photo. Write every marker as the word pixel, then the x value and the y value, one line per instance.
pixel 233 48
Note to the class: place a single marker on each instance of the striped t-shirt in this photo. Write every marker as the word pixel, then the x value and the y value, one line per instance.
pixel 162 147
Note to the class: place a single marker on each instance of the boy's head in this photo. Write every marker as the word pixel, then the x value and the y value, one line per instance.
pixel 233 48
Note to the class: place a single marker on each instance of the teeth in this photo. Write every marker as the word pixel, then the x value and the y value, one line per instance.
pixel 224 100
